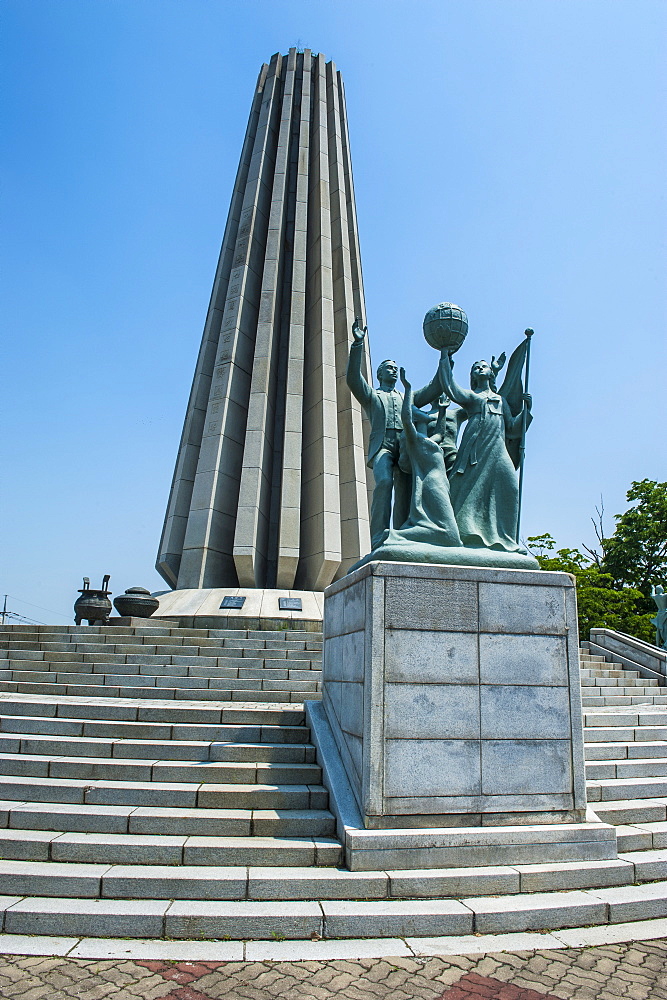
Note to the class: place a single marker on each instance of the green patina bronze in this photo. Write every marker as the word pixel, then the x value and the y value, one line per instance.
pixel 660 621
pixel 464 497
pixel 383 407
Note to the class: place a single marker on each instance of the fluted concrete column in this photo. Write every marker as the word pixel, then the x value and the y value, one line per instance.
pixel 270 487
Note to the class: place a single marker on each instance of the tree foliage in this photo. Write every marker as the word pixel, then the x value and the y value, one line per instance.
pixel 636 554
pixel 614 585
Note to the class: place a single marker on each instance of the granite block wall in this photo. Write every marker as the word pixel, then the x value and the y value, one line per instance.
pixel 453 694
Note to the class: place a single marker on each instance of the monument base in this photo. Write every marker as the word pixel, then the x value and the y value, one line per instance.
pixel 397 549
pixel 255 608
pixel 452 698
pixel 466 846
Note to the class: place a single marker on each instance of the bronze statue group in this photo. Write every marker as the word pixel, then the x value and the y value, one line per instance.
pixel 450 489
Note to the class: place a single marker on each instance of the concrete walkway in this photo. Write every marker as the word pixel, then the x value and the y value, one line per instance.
pixel 501 967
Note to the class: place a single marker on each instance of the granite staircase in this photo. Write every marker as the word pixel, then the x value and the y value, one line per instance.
pixel 626 751
pixel 161 661
pixel 606 683
pixel 160 782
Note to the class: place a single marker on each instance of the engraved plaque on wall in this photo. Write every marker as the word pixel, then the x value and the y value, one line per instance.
pixel 443 605
pixel 290 604
pixel 233 602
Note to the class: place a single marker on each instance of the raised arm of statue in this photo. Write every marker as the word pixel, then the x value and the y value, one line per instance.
pixel 356 382
pixel 409 428
pixel 440 429
pixel 429 393
pixel 464 397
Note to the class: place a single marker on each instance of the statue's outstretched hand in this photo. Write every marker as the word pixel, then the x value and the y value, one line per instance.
pixel 358 331
pixel 446 355
pixel 498 363
pixel 404 379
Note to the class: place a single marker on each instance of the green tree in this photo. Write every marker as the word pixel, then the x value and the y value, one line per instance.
pixel 614 585
pixel 599 602
pixel 636 554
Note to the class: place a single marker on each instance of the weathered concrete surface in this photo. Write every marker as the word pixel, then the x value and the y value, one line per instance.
pixel 270 485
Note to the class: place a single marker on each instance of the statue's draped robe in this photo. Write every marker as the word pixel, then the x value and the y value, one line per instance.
pixel 431 517
pixel 483 485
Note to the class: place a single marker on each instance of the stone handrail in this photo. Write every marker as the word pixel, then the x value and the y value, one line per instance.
pixel 648 660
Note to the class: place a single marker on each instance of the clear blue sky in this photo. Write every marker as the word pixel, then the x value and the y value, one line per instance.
pixel 508 156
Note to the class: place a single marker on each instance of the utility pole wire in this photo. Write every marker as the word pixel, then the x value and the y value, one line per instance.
pixel 38 606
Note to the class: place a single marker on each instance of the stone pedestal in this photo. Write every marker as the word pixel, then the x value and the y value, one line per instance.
pixel 453 700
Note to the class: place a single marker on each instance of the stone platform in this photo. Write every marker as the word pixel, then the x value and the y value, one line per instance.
pixel 202 608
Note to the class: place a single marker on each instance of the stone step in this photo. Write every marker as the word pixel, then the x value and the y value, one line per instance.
pixel 287 682
pixel 184 795
pixel 621 689
pixel 209 658
pixel 615 789
pixel 175 633
pixel 603 702
pixel 164 648
pixel 599 734
pixel 618 678
pixel 635 839
pixel 623 692
pixel 612 769
pixel 226 669
pixel 191 750
pixel 68 817
pixel 630 718
pixel 121 730
pixel 203 647
pixel 623 683
pixel 650 866
pixel 637 693
pixel 173 693
pixel 300 919
pixel 591 685
pixel 142 849
pixel 201 666
pixel 648 734
pixel 611 676
pixel 136 881
pixel 653 834
pixel 631 678
pixel 629 812
pixel 611 683
pixel 161 770
pixel 643 750
pixel 147 918
pixel 154 710
pixel 215 677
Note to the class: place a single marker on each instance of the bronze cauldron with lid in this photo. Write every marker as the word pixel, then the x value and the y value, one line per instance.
pixel 136 602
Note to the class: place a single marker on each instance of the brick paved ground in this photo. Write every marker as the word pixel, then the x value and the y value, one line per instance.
pixel 637 971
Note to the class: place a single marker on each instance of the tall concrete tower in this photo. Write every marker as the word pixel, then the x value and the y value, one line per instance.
pixel 270 485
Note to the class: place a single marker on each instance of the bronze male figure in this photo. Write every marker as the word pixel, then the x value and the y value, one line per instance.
pixel 383 408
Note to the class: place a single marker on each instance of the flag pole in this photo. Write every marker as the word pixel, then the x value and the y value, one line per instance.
pixel 524 427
